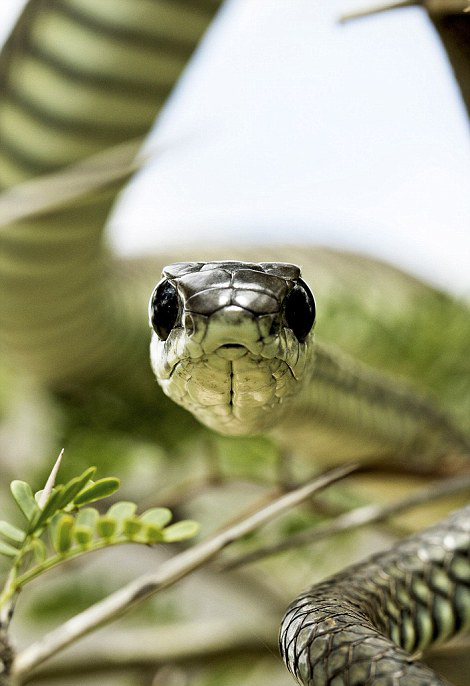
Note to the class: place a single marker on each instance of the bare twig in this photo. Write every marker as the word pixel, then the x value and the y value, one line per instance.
pixel 435 7
pixel 168 573
pixel 377 9
pixel 354 519
pixel 179 643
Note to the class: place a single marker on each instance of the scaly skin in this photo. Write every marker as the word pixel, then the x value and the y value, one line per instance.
pixel 345 631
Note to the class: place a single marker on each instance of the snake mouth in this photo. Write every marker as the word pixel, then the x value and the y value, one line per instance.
pixel 231 351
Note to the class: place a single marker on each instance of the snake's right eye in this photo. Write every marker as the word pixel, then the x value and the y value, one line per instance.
pixel 164 308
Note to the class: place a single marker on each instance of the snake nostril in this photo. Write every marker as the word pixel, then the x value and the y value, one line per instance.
pixel 275 326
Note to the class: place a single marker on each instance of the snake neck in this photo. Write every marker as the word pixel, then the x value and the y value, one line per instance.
pixel 354 407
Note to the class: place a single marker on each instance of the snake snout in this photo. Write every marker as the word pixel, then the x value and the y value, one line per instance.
pixel 232 329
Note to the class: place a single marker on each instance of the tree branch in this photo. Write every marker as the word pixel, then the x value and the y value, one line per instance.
pixel 354 519
pixel 168 573
pixel 180 643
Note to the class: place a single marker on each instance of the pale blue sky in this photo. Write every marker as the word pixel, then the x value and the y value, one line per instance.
pixel 290 127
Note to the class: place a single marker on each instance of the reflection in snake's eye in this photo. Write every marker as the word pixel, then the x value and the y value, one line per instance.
pixel 164 309
pixel 299 310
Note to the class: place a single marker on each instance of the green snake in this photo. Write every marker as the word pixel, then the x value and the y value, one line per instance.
pixel 77 77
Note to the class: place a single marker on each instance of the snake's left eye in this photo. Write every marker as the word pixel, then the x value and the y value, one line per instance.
pixel 164 308
pixel 299 310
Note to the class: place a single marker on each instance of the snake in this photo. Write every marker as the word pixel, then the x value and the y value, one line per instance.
pixel 234 341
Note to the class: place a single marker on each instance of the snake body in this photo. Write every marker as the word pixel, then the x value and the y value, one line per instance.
pixel 361 626
pixel 233 342
pixel 78 76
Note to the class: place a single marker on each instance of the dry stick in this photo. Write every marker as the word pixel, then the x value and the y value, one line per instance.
pixel 378 9
pixel 433 6
pixel 168 573
pixel 354 519
pixel 179 643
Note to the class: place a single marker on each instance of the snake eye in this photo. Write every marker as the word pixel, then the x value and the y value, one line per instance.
pixel 299 310
pixel 164 308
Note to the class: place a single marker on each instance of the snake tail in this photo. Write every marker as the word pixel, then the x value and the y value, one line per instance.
pixel 363 625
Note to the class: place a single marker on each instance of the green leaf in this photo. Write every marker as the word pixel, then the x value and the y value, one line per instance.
pixel 120 512
pixel 88 518
pixel 158 517
pixel 131 528
pixel 39 550
pixel 63 534
pixel 48 511
pixel 83 536
pixel 74 486
pixel 151 534
pixel 8 550
pixel 180 531
pixel 24 497
pixel 86 523
pixel 11 532
pixel 100 489
pixel 52 527
pixel 106 527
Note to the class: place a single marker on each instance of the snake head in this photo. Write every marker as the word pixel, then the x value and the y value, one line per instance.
pixel 232 340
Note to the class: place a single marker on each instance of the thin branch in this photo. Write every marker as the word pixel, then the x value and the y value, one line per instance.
pixel 168 573
pixel 377 9
pixel 176 644
pixel 348 521
pixel 434 7
pixel 180 644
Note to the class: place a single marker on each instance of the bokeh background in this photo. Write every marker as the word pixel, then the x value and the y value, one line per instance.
pixel 288 126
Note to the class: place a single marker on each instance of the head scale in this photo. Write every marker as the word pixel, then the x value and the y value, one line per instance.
pixel 232 340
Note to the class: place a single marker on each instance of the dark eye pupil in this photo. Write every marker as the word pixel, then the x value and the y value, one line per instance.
pixel 299 310
pixel 164 309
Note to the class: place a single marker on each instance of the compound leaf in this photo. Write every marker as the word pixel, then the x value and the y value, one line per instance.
pixel 100 489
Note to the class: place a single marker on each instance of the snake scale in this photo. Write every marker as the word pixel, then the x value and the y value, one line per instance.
pixel 77 77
